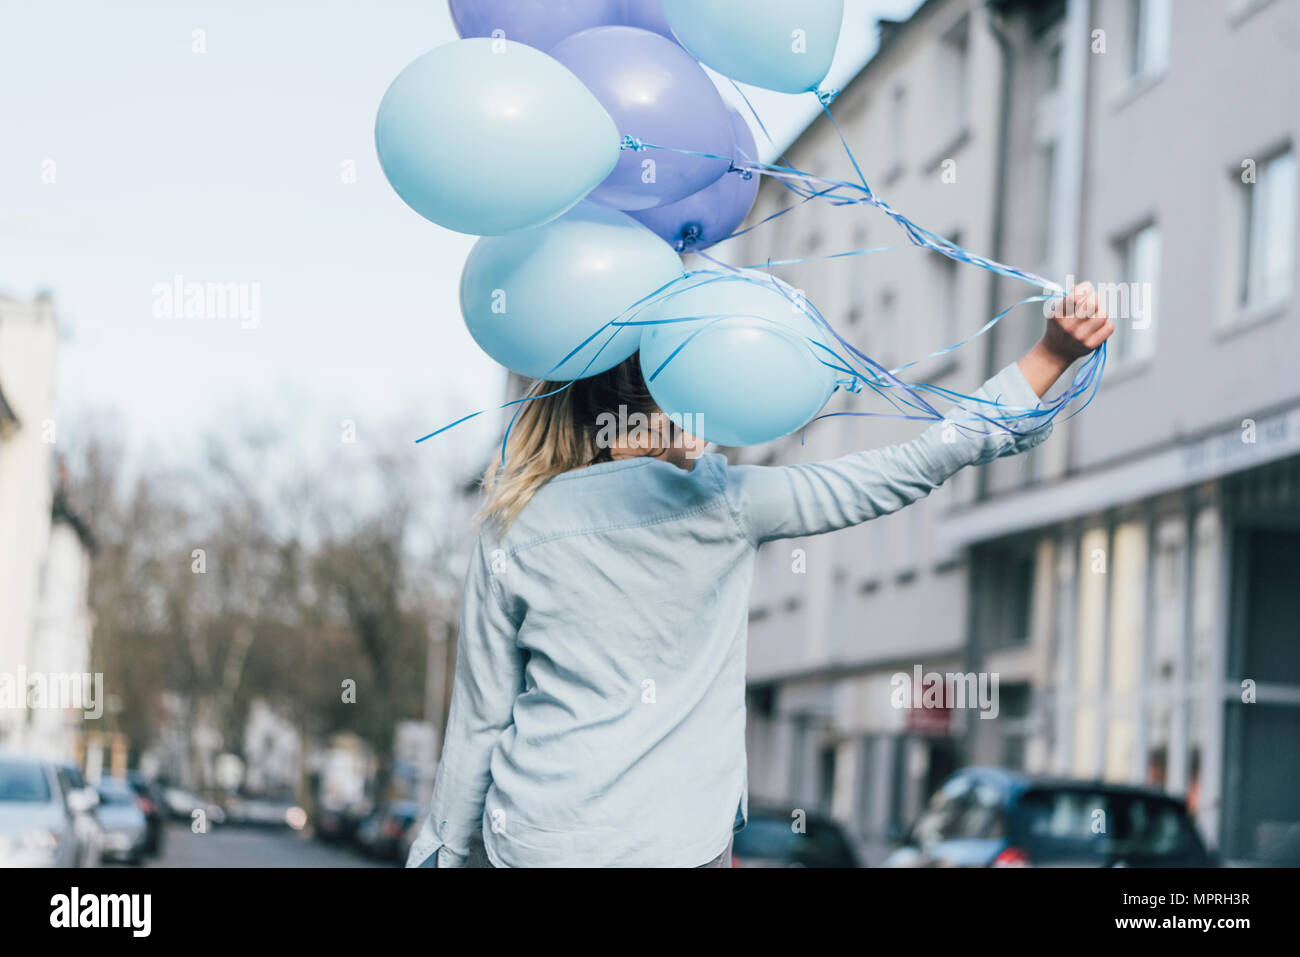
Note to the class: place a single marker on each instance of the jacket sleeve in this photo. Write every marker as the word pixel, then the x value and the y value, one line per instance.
pixel 489 676
pixel 798 500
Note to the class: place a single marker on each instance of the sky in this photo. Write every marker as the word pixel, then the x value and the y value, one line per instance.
pixel 129 159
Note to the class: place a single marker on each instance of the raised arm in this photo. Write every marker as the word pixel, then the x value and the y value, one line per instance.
pixel 798 500
pixel 489 676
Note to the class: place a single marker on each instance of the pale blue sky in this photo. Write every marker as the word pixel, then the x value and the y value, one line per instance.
pixel 225 167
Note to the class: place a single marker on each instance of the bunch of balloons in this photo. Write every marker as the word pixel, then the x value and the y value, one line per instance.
pixel 584 143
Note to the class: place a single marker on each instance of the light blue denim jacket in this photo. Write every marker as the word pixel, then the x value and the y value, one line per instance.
pixel 598 711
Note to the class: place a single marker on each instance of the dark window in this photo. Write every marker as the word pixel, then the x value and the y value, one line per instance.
pixel 23 783
pixel 1005 595
pixel 1087 826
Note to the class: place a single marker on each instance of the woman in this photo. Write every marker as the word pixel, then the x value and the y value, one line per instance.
pixel 598 712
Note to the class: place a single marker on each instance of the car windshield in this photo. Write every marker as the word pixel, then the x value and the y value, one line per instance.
pixel 963 809
pixel 23 782
pixel 1095 824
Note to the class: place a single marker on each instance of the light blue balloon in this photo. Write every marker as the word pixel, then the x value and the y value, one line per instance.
pixel 488 136
pixel 532 297
pixel 746 378
pixel 776 44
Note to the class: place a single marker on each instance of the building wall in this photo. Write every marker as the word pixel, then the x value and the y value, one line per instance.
pixel 1116 549
pixel 61 641
pixel 1143 502
pixel 27 344
pixel 834 617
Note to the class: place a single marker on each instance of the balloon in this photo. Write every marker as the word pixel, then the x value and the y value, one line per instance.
pixel 748 378
pixel 774 44
pixel 532 297
pixel 647 15
pixel 490 136
pixel 658 94
pixel 538 23
pixel 715 212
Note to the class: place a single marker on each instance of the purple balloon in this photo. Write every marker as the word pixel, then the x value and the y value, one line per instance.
pixel 712 214
pixel 647 15
pixel 658 94
pixel 537 23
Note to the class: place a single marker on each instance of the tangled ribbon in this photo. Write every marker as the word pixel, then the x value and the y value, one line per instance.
pixel 858 369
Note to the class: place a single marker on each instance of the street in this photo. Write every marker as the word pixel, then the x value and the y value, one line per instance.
pixel 252 847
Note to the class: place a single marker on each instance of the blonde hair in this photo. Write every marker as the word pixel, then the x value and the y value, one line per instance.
pixel 557 431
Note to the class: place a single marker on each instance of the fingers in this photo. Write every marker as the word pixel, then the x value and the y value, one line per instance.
pixel 1078 304
pixel 1096 337
pixel 1081 317
pixel 1094 326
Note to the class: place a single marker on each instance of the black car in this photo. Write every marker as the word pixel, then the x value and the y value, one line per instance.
pixel 385 834
pixel 989 817
pixel 154 808
pixel 785 837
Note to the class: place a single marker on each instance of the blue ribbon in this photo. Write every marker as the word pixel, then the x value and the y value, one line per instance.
pixel 859 370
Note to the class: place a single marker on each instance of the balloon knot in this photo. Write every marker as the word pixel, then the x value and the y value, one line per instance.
pixel 827 96
pixel 691 234
pixel 632 143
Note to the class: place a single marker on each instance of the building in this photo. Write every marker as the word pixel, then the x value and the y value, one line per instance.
pixel 63 631
pixel 28 337
pixel 45 549
pixel 1159 524
pixel 1126 582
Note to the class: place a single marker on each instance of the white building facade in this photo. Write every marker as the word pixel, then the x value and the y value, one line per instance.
pixel 1125 579
pixel 45 550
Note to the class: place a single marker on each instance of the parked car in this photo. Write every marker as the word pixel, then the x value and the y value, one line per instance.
pixel 181 805
pixel 81 800
pixel 262 811
pixel 37 826
pixel 386 834
pixel 155 813
pixel 126 830
pixel 990 817
pixel 776 837
pixel 338 824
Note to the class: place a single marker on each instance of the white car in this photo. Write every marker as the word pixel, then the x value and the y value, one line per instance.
pixel 125 828
pixel 37 826
pixel 82 801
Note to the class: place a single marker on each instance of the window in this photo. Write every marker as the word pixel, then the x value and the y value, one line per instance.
pixel 939 821
pixel 1269 208
pixel 1132 302
pixel 953 77
pixel 825 777
pixel 1060 826
pixel 947 301
pixel 882 350
pixel 23 782
pixel 982 818
pixel 1005 581
pixel 857 277
pixel 1048 63
pixel 1043 173
pixel 897 129
pixel 1149 27
pixel 1014 712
